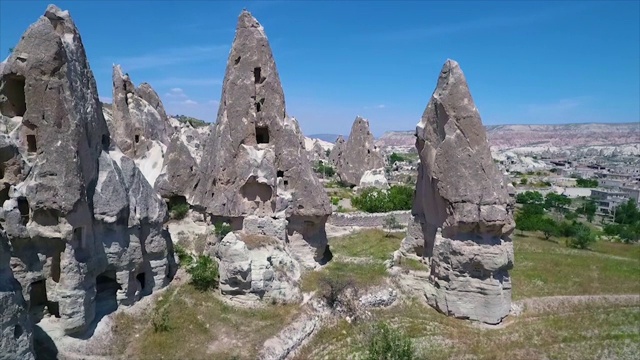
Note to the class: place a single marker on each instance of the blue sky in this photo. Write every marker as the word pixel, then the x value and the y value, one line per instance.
pixel 525 62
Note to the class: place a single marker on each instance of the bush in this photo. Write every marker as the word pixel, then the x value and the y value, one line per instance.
pixel 186 260
pixel 160 320
pixel 385 343
pixel 335 200
pixel 325 169
pixel 179 211
pixel 222 229
pixel 332 287
pixel 582 238
pixel 586 183
pixel 204 273
pixel 374 200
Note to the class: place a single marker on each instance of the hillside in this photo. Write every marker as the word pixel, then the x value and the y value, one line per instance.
pixel 512 136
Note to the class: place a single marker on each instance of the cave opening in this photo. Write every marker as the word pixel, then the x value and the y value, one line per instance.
pixel 262 134
pixel 13 90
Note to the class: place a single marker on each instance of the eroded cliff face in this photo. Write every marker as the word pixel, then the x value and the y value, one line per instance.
pixel 463 213
pixel 358 154
pixel 86 228
pixel 16 340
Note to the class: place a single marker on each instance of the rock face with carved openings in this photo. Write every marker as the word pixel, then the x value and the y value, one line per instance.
pixel 463 213
pixel 358 155
pixel 85 226
pixel 16 339
pixel 255 164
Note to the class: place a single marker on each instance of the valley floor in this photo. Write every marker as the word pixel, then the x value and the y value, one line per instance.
pixel 572 304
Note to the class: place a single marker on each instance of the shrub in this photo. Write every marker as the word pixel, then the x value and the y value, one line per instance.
pixel 586 183
pixel 332 287
pixel 385 343
pixel 583 237
pixel 335 200
pixel 391 223
pixel 186 260
pixel 325 169
pixel 160 320
pixel 204 273
pixel 222 229
pixel 179 211
pixel 374 200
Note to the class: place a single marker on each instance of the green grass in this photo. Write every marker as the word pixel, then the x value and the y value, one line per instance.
pixel 546 268
pixel 375 244
pixel 589 332
pixel 203 327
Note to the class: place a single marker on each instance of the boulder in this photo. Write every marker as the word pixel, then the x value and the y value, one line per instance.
pixel 358 155
pixel 254 163
pixel 374 178
pixel 462 208
pixel 16 340
pixel 85 226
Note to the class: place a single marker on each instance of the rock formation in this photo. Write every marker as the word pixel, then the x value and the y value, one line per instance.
pixel 255 169
pixel 359 154
pixel 337 151
pixel 139 124
pixel 463 213
pixel 15 328
pixel 138 116
pixel 374 178
pixel 85 226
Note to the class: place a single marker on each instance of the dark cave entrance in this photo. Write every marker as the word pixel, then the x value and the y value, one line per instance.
pixel 13 90
pixel 262 134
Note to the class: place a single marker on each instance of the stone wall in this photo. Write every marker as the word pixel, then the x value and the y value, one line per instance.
pixel 367 219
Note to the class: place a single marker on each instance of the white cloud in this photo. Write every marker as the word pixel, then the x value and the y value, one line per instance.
pixel 187 82
pixel 105 99
pixel 190 102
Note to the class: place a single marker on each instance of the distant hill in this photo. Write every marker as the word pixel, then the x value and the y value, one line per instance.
pixel 512 136
pixel 327 137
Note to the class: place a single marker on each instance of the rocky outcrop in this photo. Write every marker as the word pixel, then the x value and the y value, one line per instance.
pixel 358 155
pixel 139 117
pixel 16 339
pixel 85 226
pixel 463 213
pixel 255 164
pixel 374 178
pixel 336 152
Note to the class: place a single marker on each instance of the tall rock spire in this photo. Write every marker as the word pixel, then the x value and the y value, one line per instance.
pixel 255 173
pixel 463 213
pixel 359 154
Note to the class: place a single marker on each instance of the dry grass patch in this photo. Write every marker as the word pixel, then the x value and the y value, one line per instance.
pixel 373 243
pixel 201 326
pixel 254 241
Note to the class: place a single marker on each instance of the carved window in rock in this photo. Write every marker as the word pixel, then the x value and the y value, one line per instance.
pixel 23 207
pixel 15 100
pixel 32 145
pixel 262 134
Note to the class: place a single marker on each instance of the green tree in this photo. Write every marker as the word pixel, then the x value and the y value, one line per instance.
pixel 583 237
pixel 530 197
pixel 557 202
pixel 586 183
pixel 588 209
pixel 395 157
pixel 548 227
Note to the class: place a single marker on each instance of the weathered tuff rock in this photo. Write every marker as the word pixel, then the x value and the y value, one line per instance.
pixel 15 328
pixel 255 174
pixel 337 151
pixel 85 226
pixel 139 117
pixel 359 154
pixel 374 178
pixel 463 213
pixel 254 161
